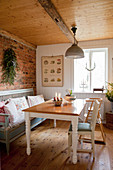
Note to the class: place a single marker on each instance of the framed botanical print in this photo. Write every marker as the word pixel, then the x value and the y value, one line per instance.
pixel 52 71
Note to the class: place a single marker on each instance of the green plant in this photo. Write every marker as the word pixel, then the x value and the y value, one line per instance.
pixel 9 66
pixel 109 93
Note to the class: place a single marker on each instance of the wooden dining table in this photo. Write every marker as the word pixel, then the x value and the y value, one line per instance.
pixel 68 112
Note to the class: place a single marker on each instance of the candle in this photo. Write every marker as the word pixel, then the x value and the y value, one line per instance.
pixel 59 96
pixel 56 96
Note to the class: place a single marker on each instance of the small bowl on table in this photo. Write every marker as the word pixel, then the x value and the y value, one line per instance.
pixel 70 99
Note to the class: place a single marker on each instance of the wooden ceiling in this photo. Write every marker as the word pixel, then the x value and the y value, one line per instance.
pixel 28 20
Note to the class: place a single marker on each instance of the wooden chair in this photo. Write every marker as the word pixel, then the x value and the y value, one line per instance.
pixel 90 110
pixel 85 129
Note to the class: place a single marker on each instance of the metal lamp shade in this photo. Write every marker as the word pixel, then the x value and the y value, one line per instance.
pixel 74 52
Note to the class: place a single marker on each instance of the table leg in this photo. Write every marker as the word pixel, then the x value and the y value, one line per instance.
pixel 54 123
pixel 28 132
pixel 74 139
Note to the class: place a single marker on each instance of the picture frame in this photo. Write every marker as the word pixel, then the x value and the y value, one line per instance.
pixel 112 69
pixel 52 71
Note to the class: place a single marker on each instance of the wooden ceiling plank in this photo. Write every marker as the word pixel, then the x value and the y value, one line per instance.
pixel 51 10
pixel 28 20
pixel 91 17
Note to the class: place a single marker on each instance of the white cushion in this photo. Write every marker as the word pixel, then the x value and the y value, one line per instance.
pixel 2 103
pixel 15 118
pixel 34 100
pixel 20 102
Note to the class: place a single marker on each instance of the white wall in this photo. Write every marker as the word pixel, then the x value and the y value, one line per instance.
pixel 60 49
pixel 54 50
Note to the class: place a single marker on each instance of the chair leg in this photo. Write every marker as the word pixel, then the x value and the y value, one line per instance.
pixel 93 147
pixel 69 143
pixel 102 128
pixel 103 134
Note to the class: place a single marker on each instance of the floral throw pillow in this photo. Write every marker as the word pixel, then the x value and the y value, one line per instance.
pixel 34 100
pixel 21 103
pixel 10 109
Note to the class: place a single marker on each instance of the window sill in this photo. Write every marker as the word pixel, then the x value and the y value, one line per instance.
pixel 89 93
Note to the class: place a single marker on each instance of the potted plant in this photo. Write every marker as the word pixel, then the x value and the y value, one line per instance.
pixel 109 94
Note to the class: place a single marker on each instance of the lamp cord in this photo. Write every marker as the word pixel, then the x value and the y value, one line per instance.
pixel 74 32
pixel 74 38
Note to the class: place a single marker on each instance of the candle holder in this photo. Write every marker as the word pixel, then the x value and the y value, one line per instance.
pixel 58 103
pixel 57 99
pixel 83 85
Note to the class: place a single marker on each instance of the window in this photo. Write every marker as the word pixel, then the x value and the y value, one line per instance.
pixel 95 60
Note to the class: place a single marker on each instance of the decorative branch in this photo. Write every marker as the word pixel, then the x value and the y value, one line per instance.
pixel 9 66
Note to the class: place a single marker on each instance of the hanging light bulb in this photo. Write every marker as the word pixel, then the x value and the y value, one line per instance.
pixel 74 52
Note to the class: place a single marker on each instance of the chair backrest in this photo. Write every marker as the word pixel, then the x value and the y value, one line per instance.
pixel 92 101
pixel 94 114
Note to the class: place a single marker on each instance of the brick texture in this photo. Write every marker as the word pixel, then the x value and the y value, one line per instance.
pixel 26 58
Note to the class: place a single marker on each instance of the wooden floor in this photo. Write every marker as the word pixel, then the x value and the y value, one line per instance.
pixel 49 151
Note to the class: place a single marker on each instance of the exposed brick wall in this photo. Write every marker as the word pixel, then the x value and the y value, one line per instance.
pixel 26 58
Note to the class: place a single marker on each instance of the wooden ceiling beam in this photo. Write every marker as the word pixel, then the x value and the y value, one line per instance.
pixel 53 13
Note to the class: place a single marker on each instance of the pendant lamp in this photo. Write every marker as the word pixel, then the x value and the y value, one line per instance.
pixel 74 52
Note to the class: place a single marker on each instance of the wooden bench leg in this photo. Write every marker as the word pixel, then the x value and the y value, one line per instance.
pixel 7 143
pixel 7 147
